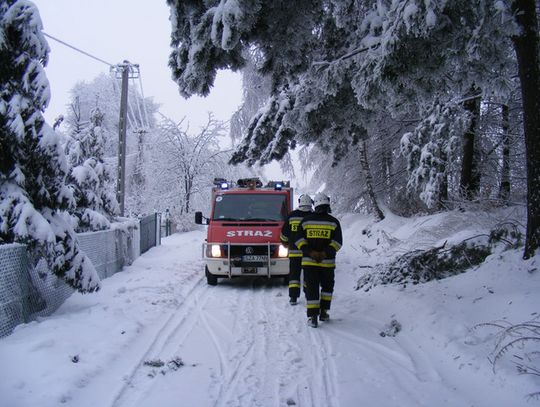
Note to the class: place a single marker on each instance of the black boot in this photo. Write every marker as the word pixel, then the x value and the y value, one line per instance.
pixel 324 315
pixel 312 321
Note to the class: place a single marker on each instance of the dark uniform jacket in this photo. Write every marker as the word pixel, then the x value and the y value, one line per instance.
pixel 319 237
pixel 289 230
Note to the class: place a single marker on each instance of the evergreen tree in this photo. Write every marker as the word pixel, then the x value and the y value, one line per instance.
pixel 256 92
pixel 103 93
pixel 470 176
pixel 504 188
pixel 526 44
pixel 33 194
pixel 335 65
pixel 89 177
pixel 430 148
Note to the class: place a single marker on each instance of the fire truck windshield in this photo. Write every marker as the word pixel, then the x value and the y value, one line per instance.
pixel 254 207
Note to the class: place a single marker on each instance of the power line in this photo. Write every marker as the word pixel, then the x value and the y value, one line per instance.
pixel 138 104
pixel 144 104
pixel 134 68
pixel 77 49
pixel 125 71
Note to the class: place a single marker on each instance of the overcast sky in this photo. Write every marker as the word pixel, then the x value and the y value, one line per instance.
pixel 134 30
pixel 115 30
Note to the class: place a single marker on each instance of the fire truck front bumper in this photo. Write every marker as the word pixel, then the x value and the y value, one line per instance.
pixel 247 265
pixel 225 268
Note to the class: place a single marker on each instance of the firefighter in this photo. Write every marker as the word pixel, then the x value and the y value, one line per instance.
pixel 319 237
pixel 287 236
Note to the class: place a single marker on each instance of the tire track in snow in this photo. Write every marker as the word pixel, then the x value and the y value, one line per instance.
pixel 262 363
pixel 173 331
pixel 274 334
pixel 302 369
pixel 323 383
pixel 230 364
pixel 291 346
pixel 266 354
pixel 395 358
pixel 241 382
pixel 407 359
pixel 290 361
pixel 330 372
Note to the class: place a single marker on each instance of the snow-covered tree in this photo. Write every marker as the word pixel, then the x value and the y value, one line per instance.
pixel 183 165
pixel 308 104
pixel 87 96
pixel 256 92
pixel 103 93
pixel 430 149
pixel 89 176
pixel 33 194
pixel 526 44
pixel 361 60
pixel 501 150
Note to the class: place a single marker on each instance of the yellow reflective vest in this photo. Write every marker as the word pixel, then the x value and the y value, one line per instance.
pixel 319 232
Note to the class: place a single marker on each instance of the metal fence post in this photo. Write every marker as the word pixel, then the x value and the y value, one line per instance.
pixel 158 228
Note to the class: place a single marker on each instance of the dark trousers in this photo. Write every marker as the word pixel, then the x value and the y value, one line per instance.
pixel 295 269
pixel 319 282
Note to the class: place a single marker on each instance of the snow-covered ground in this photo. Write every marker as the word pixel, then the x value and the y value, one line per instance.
pixel 158 335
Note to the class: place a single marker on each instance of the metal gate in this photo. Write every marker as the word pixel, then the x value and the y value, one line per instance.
pixel 150 232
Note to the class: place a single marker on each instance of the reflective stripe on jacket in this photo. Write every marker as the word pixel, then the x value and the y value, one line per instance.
pixel 290 229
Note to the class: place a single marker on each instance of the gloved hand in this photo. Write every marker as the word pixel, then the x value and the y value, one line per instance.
pixel 317 256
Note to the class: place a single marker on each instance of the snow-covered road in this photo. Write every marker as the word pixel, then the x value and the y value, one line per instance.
pixel 158 335
pixel 242 344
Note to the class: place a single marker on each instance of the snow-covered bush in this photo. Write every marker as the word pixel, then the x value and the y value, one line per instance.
pixel 523 340
pixel 33 195
pixel 421 266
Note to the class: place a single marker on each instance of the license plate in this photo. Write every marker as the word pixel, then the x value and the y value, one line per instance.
pixel 249 270
pixel 255 258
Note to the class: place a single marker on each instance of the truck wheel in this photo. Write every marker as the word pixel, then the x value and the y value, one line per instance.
pixel 210 278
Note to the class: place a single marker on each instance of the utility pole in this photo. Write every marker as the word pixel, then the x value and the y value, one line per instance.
pixel 125 71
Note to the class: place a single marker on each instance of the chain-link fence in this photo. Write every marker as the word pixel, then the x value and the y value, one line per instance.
pixel 27 292
pixel 18 297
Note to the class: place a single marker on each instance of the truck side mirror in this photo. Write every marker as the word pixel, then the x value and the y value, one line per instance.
pixel 198 218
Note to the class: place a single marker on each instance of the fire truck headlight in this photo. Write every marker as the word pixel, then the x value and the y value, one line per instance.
pixel 283 251
pixel 215 250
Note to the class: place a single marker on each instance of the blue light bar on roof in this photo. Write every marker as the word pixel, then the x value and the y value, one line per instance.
pixel 224 185
pixel 278 186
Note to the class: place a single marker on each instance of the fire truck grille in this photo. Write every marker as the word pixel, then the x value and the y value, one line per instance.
pixel 251 256
pixel 251 250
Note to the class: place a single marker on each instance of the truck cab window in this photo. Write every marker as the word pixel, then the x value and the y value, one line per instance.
pixel 260 207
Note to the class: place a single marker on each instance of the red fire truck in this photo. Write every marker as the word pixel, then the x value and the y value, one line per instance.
pixel 244 227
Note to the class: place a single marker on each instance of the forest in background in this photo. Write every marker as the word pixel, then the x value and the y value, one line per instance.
pixel 410 106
